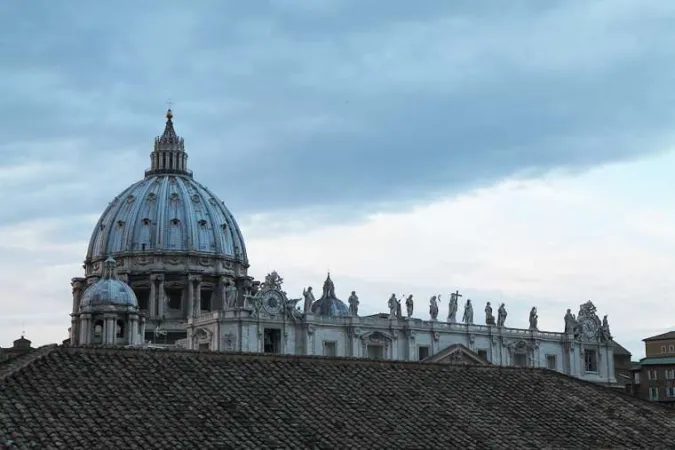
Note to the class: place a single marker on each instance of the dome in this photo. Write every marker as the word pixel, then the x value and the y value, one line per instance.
pixel 329 304
pixel 168 211
pixel 109 290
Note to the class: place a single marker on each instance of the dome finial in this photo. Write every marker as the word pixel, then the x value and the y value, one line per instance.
pixel 110 265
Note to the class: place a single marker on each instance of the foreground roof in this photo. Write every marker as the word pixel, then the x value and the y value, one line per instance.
pixel 60 397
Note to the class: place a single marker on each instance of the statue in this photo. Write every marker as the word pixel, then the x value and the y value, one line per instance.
pixel 399 314
pixel 409 303
pixel 273 281
pixel 468 313
pixel 453 307
pixel 606 335
pixel 231 294
pixel 433 308
pixel 570 321
pixel 309 299
pixel 393 305
pixel 534 318
pixel 353 304
pixel 489 317
pixel 501 315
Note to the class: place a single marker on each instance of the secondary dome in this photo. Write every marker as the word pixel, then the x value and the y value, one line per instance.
pixel 109 290
pixel 329 304
pixel 168 211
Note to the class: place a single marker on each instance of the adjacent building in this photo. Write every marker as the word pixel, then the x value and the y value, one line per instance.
pixel 167 265
pixel 654 375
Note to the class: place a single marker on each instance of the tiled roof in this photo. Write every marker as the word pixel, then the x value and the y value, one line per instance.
pixel 661 337
pixel 657 361
pixel 620 349
pixel 116 398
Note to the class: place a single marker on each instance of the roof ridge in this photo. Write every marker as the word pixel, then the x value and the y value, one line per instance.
pixel 15 364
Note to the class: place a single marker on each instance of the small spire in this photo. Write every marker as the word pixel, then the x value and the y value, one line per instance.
pixel 169 114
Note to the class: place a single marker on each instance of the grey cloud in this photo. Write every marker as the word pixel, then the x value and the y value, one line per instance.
pixel 291 107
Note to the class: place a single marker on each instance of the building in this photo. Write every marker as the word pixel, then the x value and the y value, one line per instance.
pixel 20 346
pixel 167 265
pixel 654 375
pixel 139 398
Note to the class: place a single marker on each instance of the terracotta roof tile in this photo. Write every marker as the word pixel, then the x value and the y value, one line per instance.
pixel 105 398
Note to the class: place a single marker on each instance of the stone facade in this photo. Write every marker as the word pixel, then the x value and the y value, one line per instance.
pixel 286 330
pixel 181 252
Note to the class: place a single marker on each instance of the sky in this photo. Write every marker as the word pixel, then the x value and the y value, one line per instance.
pixel 520 152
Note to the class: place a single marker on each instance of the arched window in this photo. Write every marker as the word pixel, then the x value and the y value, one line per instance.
pixel 120 329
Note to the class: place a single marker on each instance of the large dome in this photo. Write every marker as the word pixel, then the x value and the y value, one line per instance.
pixel 168 211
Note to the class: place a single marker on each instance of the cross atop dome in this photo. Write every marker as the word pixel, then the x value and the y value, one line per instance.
pixel 169 154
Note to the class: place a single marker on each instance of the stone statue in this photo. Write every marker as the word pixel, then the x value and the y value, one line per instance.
pixel 570 322
pixel 468 313
pixel 393 305
pixel 273 281
pixel 399 314
pixel 489 317
pixel 453 307
pixel 534 319
pixel 231 294
pixel 606 335
pixel 353 304
pixel 501 315
pixel 409 303
pixel 309 299
pixel 433 308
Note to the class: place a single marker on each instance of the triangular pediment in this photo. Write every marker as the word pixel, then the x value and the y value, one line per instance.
pixel 457 354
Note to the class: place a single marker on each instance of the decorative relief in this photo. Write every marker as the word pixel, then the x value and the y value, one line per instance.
pixel 437 336
pixel 213 201
pixel 204 262
pixel 173 260
pixel 195 198
pixel 130 198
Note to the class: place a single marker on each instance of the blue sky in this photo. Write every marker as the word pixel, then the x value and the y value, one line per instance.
pixel 517 151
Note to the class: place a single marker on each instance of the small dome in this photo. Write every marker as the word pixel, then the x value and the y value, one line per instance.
pixel 329 304
pixel 109 290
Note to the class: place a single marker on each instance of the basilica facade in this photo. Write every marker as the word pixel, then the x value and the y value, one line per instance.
pixel 167 266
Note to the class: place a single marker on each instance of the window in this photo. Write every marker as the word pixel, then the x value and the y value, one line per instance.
pixel 520 360
pixel 329 348
pixel 422 352
pixel 670 392
pixel 663 349
pixel 204 346
pixel 143 297
pixel 670 374
pixel 590 361
pixel 483 354
pixel 119 330
pixel 205 296
pixel 375 352
pixel 175 297
pixel 653 394
pixel 272 340
pixel 652 374
pixel 636 377
pixel 671 348
pixel 551 362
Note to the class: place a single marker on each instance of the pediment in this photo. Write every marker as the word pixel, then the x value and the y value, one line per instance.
pixel 457 354
pixel 377 337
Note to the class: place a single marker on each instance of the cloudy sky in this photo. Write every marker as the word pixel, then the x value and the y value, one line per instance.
pixel 518 151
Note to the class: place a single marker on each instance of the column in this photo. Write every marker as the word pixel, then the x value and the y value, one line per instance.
pixel 142 330
pixel 77 294
pixel 161 297
pixel 132 331
pixel 84 329
pixel 153 296
pixel 198 295
pixel 191 296
pixel 222 294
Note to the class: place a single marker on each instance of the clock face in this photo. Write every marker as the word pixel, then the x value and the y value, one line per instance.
pixel 272 301
pixel 590 328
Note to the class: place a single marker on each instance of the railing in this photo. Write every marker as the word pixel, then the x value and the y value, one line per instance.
pixel 424 325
